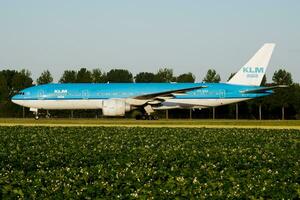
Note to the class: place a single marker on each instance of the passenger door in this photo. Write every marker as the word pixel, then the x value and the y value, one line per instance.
pixel 222 94
pixel 41 94
pixel 85 94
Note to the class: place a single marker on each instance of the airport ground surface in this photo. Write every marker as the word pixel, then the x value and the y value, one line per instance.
pixel 268 124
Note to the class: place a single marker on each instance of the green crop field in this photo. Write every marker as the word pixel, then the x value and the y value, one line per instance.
pixel 148 163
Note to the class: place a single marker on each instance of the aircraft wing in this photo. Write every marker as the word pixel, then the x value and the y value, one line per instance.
pixel 263 89
pixel 167 94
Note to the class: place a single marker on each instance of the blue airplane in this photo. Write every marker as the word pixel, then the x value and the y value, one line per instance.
pixel 115 99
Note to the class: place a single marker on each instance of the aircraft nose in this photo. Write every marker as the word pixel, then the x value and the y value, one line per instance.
pixel 14 99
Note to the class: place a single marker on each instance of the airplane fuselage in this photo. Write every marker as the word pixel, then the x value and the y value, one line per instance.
pixel 92 95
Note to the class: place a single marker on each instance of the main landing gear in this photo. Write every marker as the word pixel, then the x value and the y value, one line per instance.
pixel 146 117
pixel 37 114
pixel 146 114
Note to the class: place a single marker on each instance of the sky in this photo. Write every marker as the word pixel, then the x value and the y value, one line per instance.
pixel 139 35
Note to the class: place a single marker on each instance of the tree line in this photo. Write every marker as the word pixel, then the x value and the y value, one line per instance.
pixel 283 104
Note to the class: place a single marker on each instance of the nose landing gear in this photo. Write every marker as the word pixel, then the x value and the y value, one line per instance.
pixel 36 117
pixel 35 112
pixel 48 115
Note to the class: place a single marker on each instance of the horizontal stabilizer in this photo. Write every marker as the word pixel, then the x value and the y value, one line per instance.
pixel 263 89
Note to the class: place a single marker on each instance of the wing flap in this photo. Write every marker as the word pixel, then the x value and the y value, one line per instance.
pixel 167 94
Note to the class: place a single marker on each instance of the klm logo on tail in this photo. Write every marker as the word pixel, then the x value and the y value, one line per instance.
pixel 252 72
pixel 255 70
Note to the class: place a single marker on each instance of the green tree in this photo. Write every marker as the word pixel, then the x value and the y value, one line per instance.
pixel 11 82
pixel 144 77
pixel 45 78
pixel 119 76
pixel 4 91
pixel 164 75
pixel 212 77
pixel 84 76
pixel 296 99
pixel 69 76
pixel 7 76
pixel 283 96
pixel 98 76
pixel 186 78
pixel 21 80
pixel 282 77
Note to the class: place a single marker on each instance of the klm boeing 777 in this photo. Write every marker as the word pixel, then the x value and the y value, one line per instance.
pixel 115 99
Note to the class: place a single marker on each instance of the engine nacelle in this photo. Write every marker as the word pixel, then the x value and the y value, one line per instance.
pixel 115 107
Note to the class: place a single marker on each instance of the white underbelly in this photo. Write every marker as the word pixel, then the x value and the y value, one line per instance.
pixel 97 103
pixel 61 104
pixel 203 103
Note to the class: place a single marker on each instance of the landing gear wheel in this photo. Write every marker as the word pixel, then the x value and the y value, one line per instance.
pixel 36 117
pixel 48 115
pixel 146 117
pixel 150 117
pixel 138 117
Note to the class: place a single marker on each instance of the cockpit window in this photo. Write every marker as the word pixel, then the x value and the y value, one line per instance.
pixel 21 93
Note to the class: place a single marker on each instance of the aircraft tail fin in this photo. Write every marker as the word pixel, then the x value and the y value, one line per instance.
pixel 254 70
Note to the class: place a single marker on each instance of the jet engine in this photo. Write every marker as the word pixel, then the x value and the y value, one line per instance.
pixel 115 107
